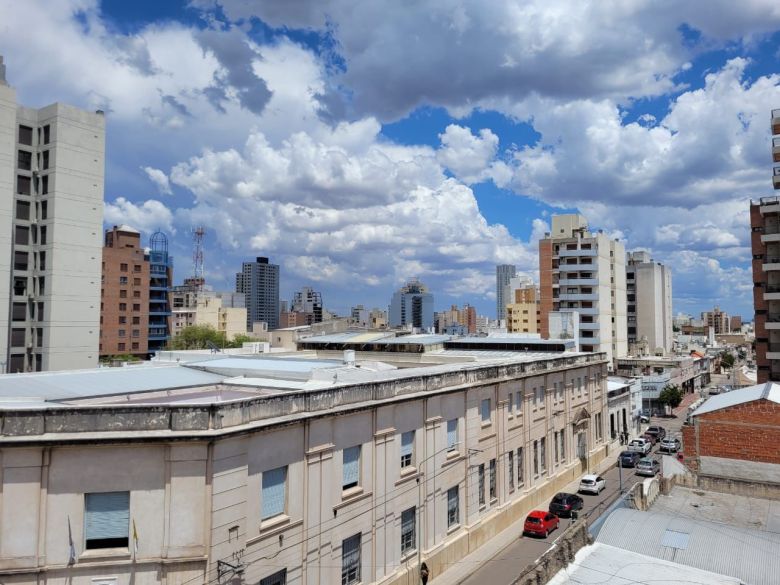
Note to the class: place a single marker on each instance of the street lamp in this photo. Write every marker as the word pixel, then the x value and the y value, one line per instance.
pixel 421 473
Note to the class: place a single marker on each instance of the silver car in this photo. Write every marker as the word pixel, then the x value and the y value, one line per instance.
pixel 648 467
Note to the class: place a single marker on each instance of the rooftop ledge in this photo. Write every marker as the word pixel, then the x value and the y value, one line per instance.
pixel 57 423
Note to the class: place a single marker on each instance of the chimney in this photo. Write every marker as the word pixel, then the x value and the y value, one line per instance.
pixel 2 72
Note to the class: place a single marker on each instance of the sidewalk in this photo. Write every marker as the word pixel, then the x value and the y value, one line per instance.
pixel 464 569
pixel 688 399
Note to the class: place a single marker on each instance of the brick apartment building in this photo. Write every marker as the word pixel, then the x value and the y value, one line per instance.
pixel 735 436
pixel 124 302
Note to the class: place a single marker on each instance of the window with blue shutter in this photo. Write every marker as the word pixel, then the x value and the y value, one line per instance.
pixel 485 407
pixel 274 491
pixel 351 467
pixel 407 448
pixel 452 433
pixel 107 520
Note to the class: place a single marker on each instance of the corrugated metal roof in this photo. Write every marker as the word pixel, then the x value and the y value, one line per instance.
pixel 67 385
pixel 767 391
pixel 750 555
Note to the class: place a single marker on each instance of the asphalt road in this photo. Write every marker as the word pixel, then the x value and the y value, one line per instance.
pixel 503 568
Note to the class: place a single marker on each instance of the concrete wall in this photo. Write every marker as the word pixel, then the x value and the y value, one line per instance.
pixel 198 499
pixel 7 186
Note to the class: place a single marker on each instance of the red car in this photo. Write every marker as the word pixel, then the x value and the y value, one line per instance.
pixel 540 523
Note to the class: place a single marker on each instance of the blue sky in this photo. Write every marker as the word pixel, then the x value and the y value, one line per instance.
pixel 362 144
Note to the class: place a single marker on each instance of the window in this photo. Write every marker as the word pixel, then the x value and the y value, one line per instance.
pixel 274 491
pixel 536 458
pixel 509 404
pixel 136 268
pixel 407 448
pixel 47 134
pixel 351 467
pixel 453 507
pixel 136 294
pixel 481 484
pixel 23 185
pixel 25 135
pixel 123 268
pixel 511 464
pixel 106 520
pixel 535 395
pixel 137 281
pixel 136 307
pixel 121 346
pixel 350 560
pixel 24 160
pixel 563 448
pixel 519 402
pixel 278 578
pixel 492 484
pixel 121 333
pixel 20 260
pixel 20 286
pixel 40 312
pixel 135 345
pixel 22 210
pixel 485 410
pixel 555 441
pixel 123 306
pixel 452 434
pixel 22 235
pixel 136 320
pixel 44 184
pixel 44 209
pixel 42 260
pixel 122 294
pixel 136 333
pixel 17 337
pixel 123 279
pixel 45 163
pixel 543 453
pixel 408 530
pixel 599 430
pixel 122 319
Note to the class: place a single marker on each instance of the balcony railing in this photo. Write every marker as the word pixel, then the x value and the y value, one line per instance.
pixel 773 288
pixel 773 347
pixel 771 259
pixel 773 318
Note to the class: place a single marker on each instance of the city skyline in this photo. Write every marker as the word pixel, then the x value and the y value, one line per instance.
pixel 276 117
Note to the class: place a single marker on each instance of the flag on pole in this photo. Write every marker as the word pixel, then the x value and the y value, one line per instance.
pixel 71 547
pixel 135 539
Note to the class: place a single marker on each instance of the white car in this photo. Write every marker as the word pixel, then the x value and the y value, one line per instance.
pixel 640 445
pixel 592 484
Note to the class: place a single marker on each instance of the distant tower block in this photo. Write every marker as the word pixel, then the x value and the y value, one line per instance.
pixel 198 278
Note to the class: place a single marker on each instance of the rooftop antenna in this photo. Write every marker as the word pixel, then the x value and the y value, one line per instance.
pixel 198 233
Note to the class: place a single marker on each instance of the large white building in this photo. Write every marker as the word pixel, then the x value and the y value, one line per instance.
pixel 585 272
pixel 301 468
pixel 504 275
pixel 649 297
pixel 51 216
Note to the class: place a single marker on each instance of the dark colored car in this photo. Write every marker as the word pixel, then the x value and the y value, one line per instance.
pixel 658 432
pixel 564 504
pixel 652 439
pixel 629 458
pixel 540 523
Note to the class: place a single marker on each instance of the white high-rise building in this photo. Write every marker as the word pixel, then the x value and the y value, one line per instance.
pixel 504 274
pixel 585 272
pixel 51 216
pixel 649 297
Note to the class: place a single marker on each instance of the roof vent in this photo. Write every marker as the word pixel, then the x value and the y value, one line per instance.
pixel 349 357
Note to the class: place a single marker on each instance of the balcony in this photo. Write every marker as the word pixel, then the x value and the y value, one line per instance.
pixel 773 351
pixel 769 204
pixel 776 121
pixel 581 267
pixel 589 326
pixel 776 149
pixel 579 296
pixel 776 177
pixel 586 310
pixel 579 252
pixel 773 321
pixel 772 292
pixel 771 233
pixel 771 262
pixel 589 341
pixel 572 280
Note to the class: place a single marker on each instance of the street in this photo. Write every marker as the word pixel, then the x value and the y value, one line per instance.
pixel 503 568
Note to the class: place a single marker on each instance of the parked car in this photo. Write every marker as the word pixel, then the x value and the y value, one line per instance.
pixel 592 484
pixel 629 458
pixel 652 439
pixel 540 523
pixel 563 504
pixel 648 467
pixel 640 445
pixel 644 418
pixel 670 445
pixel 658 432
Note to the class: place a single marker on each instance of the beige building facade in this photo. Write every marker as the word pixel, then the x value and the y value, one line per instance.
pixel 522 312
pixel 342 475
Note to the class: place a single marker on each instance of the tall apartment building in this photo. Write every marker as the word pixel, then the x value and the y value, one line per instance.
pixel 585 272
pixel 504 273
pixel 51 215
pixel 522 309
pixel 259 281
pixel 649 297
pixel 124 294
pixel 765 243
pixel 309 301
pixel 411 305
pixel 719 320
pixel 160 284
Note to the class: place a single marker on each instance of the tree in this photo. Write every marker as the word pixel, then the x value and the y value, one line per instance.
pixel 671 395
pixel 726 360
pixel 204 337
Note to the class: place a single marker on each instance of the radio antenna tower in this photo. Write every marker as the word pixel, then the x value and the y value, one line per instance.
pixel 198 234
